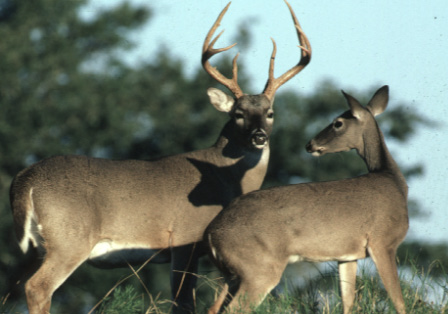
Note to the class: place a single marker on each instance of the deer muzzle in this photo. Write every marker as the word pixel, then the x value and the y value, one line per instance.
pixel 314 149
pixel 259 139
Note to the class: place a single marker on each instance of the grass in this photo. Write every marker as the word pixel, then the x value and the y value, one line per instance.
pixel 422 294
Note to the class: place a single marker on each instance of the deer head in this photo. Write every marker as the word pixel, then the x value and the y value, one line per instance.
pixel 348 131
pixel 253 115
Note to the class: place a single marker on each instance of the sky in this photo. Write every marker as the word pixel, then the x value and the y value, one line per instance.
pixel 360 45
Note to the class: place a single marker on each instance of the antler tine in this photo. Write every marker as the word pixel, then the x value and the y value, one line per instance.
pixel 274 83
pixel 208 51
pixel 272 61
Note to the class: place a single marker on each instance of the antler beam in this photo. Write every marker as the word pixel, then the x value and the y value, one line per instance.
pixel 208 51
pixel 274 83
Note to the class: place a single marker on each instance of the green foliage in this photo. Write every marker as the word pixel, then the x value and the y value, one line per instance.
pixel 43 109
pixel 429 258
pixel 124 301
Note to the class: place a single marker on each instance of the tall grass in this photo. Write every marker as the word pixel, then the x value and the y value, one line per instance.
pixel 422 293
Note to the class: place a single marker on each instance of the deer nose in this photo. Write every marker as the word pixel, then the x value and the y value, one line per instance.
pixel 315 150
pixel 259 138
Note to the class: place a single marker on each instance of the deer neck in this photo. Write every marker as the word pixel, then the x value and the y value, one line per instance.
pixel 378 158
pixel 248 164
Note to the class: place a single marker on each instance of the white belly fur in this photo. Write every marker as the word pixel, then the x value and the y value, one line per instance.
pixel 108 246
pixel 110 254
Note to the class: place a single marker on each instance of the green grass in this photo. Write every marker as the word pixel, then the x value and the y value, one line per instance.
pixel 422 294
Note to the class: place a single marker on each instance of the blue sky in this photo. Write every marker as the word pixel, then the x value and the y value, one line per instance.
pixel 358 44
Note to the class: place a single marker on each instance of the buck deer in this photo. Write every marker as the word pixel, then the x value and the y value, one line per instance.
pixel 75 209
pixel 254 238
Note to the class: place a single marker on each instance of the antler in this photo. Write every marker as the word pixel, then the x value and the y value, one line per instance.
pixel 274 83
pixel 208 51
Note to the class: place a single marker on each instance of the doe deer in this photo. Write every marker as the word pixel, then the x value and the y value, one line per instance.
pixel 254 238
pixel 74 209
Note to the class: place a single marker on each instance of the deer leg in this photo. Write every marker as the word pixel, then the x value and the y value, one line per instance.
pixel 255 282
pixel 347 283
pixel 27 269
pixel 214 309
pixel 384 259
pixel 54 270
pixel 251 293
pixel 229 289
pixel 184 266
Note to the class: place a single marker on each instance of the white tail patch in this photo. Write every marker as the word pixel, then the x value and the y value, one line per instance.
pixel 213 250
pixel 31 229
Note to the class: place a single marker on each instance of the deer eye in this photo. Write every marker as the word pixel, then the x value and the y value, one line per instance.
pixel 338 124
pixel 239 116
pixel 270 115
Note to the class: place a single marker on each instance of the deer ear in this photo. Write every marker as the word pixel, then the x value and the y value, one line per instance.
pixel 378 103
pixel 220 100
pixel 356 108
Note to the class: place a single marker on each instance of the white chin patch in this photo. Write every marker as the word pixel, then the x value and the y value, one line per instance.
pixel 260 146
pixel 316 153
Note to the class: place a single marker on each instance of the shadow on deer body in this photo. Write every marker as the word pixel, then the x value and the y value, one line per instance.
pixel 254 238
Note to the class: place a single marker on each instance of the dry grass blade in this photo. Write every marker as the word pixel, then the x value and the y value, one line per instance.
pixel 134 273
